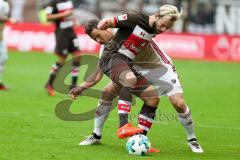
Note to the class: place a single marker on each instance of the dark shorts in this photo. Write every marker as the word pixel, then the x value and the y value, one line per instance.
pixel 117 64
pixel 66 42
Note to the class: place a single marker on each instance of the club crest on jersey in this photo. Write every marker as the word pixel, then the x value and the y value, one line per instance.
pixel 122 17
pixel 143 34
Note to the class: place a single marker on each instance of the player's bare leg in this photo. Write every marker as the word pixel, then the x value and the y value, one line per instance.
pixel 185 117
pixel 53 73
pixel 104 106
pixel 2 86
pixel 103 109
pixel 3 59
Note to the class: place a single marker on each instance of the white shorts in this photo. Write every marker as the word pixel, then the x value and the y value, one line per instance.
pixel 164 78
pixel 3 52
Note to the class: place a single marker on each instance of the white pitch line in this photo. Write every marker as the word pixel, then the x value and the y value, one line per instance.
pixel 199 126
pixel 12 113
pixel 219 127
pixel 210 126
pixel 23 113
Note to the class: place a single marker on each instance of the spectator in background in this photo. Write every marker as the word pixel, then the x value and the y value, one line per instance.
pixel 209 12
pixel 124 5
pixel 84 11
pixel 200 17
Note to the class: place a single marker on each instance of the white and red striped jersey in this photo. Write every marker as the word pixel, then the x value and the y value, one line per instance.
pixel 59 6
pixel 132 36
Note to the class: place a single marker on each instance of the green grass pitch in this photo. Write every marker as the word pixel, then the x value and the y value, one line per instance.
pixel 30 130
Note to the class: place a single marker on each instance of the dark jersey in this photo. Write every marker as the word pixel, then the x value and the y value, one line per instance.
pixel 133 34
pixel 66 38
pixel 58 6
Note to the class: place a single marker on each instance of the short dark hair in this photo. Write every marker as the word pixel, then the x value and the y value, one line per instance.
pixel 90 25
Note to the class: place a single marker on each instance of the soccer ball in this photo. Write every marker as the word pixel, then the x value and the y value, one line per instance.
pixel 138 145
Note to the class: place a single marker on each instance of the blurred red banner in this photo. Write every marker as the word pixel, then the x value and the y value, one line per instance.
pixel 37 37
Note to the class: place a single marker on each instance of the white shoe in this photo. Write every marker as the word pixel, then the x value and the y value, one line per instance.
pixel 90 140
pixel 195 146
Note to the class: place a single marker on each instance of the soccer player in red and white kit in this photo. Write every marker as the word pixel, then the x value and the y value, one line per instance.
pixel 61 13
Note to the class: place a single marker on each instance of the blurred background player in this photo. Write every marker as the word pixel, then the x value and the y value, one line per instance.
pixel 4 17
pixel 61 13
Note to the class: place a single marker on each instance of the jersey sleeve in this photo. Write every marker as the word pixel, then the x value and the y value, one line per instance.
pixel 128 20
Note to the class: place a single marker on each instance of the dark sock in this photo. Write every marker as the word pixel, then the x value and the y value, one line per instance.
pixel 145 133
pixel 75 72
pixel 193 139
pixel 148 112
pixel 54 70
pixel 74 81
pixel 96 136
pixel 51 79
pixel 123 119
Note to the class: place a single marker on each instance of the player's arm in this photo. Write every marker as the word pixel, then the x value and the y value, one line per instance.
pixel 4 18
pixel 7 19
pixel 92 80
pixel 51 16
pixel 122 21
pixel 106 23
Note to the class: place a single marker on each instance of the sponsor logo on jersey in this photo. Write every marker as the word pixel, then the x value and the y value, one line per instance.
pixel 122 17
pixel 173 81
pixel 143 34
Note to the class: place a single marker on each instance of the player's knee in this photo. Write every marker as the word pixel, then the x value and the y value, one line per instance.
pixel 179 104
pixel 152 101
pixel 76 61
pixel 108 93
pixel 108 89
pixel 3 60
pixel 55 68
pixel 128 79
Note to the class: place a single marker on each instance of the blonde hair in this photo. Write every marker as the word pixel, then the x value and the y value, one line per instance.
pixel 169 11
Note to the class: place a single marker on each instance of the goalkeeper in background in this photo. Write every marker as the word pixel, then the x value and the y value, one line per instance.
pixel 61 13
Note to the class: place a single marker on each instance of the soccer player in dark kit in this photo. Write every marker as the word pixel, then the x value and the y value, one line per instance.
pixel 61 13
pixel 135 31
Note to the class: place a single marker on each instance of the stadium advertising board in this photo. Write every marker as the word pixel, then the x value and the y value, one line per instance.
pixel 37 37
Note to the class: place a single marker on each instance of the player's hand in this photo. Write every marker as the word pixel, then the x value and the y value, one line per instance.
pixel 13 20
pixel 76 92
pixel 103 24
